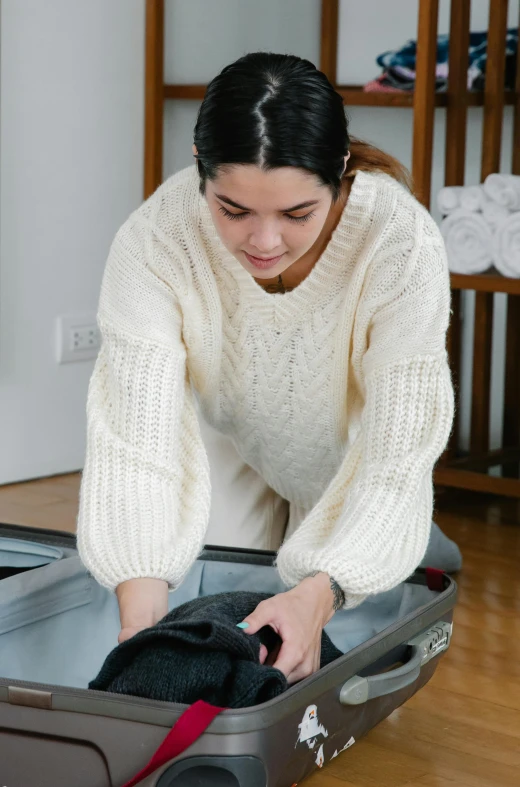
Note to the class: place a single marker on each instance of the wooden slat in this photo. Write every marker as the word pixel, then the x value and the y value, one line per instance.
pixel 485 282
pixel 494 88
pixel 154 102
pixel 329 39
pixel 194 92
pixel 511 421
pixel 424 98
pixel 477 99
pixel 455 156
pixel 495 458
pixel 353 95
pixel 491 142
pixel 511 418
pixel 477 482
pixel 516 120
pixel 453 345
pixel 456 114
pixel 481 390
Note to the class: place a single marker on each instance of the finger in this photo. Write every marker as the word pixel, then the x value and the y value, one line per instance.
pixel 297 676
pixel 263 654
pixel 302 671
pixel 289 658
pixel 129 632
pixel 273 654
pixel 262 616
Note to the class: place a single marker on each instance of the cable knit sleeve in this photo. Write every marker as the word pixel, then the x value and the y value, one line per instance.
pixel 370 529
pixel 145 491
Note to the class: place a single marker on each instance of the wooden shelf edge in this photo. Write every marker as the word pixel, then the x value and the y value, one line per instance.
pixel 354 95
pixel 477 482
pixel 485 282
pixel 477 463
pixel 193 92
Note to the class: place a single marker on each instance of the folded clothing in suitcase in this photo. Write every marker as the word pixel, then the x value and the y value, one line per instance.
pixel 57 626
pixel 196 651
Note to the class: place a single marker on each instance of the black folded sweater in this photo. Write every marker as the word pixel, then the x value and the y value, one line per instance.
pixel 197 652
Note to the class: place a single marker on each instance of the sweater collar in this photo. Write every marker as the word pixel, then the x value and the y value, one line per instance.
pixel 331 270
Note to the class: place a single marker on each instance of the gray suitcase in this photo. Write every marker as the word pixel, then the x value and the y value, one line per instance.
pixel 57 625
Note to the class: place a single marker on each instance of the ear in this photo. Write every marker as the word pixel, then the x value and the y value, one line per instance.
pixel 194 150
pixel 346 158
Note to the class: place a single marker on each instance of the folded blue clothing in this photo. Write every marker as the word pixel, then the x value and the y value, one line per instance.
pixel 399 65
pixel 404 79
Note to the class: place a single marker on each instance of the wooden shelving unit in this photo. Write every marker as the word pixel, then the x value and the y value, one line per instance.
pixel 471 471
pixel 422 99
pixel 353 95
pixel 468 471
pixel 485 282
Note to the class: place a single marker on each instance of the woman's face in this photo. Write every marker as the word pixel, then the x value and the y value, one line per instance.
pixel 267 220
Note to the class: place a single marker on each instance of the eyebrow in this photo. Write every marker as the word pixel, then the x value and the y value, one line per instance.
pixel 287 210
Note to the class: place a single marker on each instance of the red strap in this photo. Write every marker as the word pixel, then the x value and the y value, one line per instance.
pixel 435 579
pixel 184 732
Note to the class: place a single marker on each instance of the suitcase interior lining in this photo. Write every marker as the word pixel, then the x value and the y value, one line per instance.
pixel 57 624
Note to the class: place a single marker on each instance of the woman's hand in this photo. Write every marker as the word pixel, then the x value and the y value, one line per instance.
pixel 130 631
pixel 142 602
pixel 298 616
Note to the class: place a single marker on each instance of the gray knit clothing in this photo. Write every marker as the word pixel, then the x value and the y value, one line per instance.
pixel 197 652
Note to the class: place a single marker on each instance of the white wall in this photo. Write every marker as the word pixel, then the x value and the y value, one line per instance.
pixel 71 159
pixel 202 37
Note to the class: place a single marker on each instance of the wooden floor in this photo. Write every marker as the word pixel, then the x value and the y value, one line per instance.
pixel 463 729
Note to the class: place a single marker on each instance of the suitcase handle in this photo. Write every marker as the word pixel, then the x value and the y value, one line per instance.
pixel 358 690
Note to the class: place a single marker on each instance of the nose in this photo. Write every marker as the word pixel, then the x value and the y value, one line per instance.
pixel 266 238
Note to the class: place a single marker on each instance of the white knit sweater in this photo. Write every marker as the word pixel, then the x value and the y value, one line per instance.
pixel 338 392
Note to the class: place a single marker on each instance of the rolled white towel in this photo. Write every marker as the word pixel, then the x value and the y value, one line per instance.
pixel 473 198
pixel 469 242
pixel 495 214
pixel 448 199
pixel 504 189
pixel 507 247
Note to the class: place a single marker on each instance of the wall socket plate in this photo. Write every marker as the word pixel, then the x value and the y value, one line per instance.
pixel 77 337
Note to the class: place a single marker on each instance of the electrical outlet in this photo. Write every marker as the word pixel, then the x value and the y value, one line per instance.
pixel 77 337
pixel 83 338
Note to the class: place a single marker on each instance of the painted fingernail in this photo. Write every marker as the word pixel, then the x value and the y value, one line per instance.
pixel 243 625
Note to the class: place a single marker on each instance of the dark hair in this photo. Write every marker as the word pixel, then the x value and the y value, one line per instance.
pixel 279 111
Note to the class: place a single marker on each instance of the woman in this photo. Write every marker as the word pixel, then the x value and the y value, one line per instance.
pixel 293 290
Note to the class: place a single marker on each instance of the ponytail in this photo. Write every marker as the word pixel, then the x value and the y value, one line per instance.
pixel 368 158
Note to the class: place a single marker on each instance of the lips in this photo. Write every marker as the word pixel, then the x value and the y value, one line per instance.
pixel 263 263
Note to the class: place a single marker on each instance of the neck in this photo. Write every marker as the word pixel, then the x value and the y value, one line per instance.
pixel 278 286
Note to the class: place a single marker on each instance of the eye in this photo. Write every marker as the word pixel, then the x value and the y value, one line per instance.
pixel 232 216
pixel 301 219
pixel 237 216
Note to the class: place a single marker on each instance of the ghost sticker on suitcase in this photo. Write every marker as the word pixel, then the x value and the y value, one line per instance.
pixel 310 728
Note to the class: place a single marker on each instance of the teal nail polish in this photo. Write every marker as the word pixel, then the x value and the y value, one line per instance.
pixel 243 625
